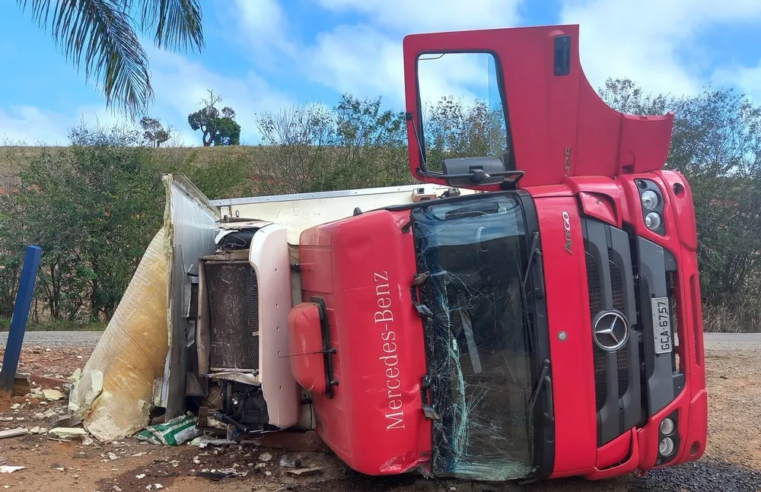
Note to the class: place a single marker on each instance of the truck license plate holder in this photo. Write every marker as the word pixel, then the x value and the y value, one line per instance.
pixel 662 335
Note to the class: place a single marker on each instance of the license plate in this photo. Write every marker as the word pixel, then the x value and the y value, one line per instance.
pixel 662 325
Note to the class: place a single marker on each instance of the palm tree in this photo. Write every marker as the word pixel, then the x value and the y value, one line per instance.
pixel 102 36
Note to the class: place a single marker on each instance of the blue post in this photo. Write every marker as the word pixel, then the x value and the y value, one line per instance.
pixel 20 318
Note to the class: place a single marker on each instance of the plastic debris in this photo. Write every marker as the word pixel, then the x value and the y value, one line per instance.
pixel 112 456
pixel 10 469
pixel 172 433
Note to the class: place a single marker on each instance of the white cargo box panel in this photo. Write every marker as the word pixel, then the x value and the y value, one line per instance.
pixel 301 211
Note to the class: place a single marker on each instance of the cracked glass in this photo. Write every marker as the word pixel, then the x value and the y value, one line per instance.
pixel 477 345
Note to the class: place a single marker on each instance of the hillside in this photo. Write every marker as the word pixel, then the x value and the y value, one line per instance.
pixel 14 158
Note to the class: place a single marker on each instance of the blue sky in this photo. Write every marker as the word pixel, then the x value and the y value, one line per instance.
pixel 266 55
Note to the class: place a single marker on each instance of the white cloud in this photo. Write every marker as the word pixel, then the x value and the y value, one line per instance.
pixel 431 15
pixel 640 39
pixel 464 76
pixel 30 125
pixel 366 59
pixel 746 79
pixel 264 26
pixel 356 59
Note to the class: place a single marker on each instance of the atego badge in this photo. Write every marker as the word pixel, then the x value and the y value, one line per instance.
pixel 567 232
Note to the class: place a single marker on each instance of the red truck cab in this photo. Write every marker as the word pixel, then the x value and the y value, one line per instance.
pixel 547 326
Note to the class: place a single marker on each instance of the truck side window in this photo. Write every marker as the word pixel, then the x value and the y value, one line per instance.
pixel 461 105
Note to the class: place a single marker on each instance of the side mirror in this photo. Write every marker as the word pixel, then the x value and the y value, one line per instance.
pixel 471 171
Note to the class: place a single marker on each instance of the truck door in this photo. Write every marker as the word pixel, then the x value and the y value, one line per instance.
pixel 538 112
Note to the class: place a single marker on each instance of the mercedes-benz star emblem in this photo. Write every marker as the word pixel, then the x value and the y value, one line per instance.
pixel 611 331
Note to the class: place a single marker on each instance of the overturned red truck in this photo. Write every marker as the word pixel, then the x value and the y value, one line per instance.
pixel 530 314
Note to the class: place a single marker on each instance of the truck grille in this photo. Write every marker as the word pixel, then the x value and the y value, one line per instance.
pixel 233 315
pixel 610 282
pixel 595 306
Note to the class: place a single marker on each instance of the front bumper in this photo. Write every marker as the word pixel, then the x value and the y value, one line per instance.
pixel 636 387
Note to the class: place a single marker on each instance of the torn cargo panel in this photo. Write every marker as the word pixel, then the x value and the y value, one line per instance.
pixel 191 221
pixel 114 395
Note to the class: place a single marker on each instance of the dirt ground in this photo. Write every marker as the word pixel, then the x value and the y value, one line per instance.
pixel 734 443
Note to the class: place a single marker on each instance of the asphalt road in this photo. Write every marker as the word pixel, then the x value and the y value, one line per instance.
pixel 713 341
pixel 52 339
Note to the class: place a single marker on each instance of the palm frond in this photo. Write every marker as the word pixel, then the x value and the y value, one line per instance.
pixel 98 34
pixel 177 23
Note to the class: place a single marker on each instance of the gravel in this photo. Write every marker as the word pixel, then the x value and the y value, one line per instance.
pixel 702 476
pixel 54 339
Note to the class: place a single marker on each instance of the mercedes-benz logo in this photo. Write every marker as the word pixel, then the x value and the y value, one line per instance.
pixel 611 331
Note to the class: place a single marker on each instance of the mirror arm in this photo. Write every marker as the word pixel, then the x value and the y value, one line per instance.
pixel 423 169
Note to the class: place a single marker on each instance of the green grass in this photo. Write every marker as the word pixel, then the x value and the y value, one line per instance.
pixel 5 324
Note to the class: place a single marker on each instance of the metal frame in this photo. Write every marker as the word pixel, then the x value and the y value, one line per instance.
pixel 227 202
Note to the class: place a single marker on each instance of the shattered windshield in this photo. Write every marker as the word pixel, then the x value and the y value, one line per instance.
pixel 476 341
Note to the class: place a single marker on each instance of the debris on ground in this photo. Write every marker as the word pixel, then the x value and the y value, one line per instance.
pixel 305 471
pixel 53 394
pixel 217 475
pixel 19 431
pixel 67 421
pixel 67 432
pixel 87 389
pixel 265 457
pixel 287 461
pixel 203 441
pixel 174 432
pixel 10 469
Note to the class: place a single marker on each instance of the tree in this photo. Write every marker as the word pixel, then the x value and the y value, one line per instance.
pixel 154 132
pixel 716 144
pixel 455 128
pixel 216 128
pixel 101 35
pixel 314 148
pixel 93 207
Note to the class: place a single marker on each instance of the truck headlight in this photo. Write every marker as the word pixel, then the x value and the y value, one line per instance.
pixel 652 203
pixel 666 447
pixel 667 426
pixel 649 200
pixel 653 221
